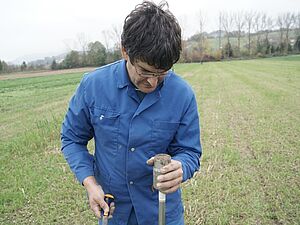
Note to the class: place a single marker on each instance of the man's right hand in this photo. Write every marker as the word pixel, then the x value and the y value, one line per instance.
pixel 96 197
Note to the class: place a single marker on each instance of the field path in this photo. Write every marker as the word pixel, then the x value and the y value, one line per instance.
pixel 44 73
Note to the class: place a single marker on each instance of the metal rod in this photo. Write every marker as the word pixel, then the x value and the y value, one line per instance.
pixel 162 209
pixel 160 161
pixel 104 220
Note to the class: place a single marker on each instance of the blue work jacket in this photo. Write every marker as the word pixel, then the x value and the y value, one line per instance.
pixel 127 132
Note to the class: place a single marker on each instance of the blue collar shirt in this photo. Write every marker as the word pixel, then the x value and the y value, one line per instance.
pixel 127 132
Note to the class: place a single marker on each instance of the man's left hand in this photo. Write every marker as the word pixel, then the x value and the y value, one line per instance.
pixel 171 176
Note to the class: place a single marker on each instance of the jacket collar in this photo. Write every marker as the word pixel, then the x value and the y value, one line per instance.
pixel 122 75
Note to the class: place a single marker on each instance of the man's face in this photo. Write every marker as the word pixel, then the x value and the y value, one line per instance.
pixel 145 77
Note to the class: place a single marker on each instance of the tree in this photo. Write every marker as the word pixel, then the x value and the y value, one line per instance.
pixel 284 23
pixel 260 24
pixel 83 42
pixel 23 66
pixel 96 54
pixel 261 27
pixel 227 21
pixel 249 20
pixel 220 30
pixel 297 44
pixel 54 65
pixel 228 50
pixel 72 60
pixel 288 19
pixel 1 67
pixel 107 36
pixel 116 35
pixel 239 25
pixel 269 27
pixel 297 23
pixel 202 46
pixel 5 68
pixel 280 24
pixel 256 28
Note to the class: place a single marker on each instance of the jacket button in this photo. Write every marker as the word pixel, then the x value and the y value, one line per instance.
pixel 132 149
pixel 131 182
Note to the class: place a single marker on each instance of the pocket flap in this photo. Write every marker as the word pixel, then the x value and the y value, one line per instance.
pixel 103 113
pixel 164 125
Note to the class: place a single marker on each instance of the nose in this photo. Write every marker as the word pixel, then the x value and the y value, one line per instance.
pixel 152 81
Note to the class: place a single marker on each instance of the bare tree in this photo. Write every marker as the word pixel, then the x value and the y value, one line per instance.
pixel 260 24
pixel 83 43
pixel 227 21
pixel 201 22
pixel 263 23
pixel 297 23
pixel 116 36
pixel 288 19
pixel 249 23
pixel 268 28
pixel 280 25
pixel 256 26
pixel 185 51
pixel 220 30
pixel 107 36
pixel 239 25
pixel 284 23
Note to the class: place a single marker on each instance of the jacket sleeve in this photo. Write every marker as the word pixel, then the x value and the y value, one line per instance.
pixel 186 146
pixel 75 133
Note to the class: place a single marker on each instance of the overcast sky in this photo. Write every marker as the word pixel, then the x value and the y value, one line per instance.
pixel 46 28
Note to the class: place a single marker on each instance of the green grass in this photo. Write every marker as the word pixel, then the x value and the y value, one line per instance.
pixel 250 134
pixel 22 101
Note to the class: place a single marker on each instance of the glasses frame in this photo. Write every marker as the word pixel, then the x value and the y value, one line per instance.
pixel 150 74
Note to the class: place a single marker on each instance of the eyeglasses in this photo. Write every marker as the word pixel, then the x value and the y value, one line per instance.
pixel 150 74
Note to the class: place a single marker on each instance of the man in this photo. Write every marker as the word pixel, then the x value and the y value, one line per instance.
pixel 134 109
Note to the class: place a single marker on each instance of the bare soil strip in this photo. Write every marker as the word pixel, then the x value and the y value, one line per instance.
pixel 44 73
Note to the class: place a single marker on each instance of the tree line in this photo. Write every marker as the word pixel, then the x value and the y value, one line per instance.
pixel 96 55
pixel 239 35
pixel 244 35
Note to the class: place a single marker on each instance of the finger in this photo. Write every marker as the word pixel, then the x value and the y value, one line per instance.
pixel 169 184
pixel 171 190
pixel 170 176
pixel 111 210
pixel 104 207
pixel 96 209
pixel 100 205
pixel 174 165
pixel 150 161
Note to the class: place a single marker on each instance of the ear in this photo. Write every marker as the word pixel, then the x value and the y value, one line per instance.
pixel 124 54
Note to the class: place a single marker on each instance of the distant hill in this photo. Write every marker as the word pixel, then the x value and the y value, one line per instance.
pixel 39 58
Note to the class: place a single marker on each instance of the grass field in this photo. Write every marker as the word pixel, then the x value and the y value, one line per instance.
pixel 250 112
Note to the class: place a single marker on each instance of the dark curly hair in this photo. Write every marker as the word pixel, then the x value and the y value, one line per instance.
pixel 152 35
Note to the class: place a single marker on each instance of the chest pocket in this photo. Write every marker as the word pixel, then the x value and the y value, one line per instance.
pixel 162 134
pixel 106 127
